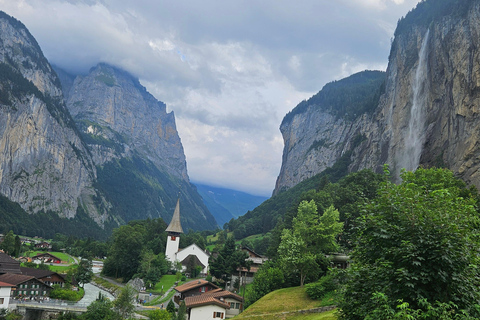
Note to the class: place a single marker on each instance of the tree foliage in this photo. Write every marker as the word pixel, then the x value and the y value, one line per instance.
pixel 84 273
pixel 416 241
pixel 227 261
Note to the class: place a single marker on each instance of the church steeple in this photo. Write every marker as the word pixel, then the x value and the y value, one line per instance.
pixel 175 226
pixel 174 230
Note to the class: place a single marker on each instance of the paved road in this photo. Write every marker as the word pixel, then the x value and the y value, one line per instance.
pixel 91 294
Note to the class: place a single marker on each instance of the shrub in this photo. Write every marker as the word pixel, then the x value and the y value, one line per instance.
pixel 326 284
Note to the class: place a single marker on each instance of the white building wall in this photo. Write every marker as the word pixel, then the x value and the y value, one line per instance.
pixel 206 312
pixel 193 249
pixel 172 247
pixel 5 294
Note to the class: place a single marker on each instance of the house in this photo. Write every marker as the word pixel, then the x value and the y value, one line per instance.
pixel 43 245
pixel 194 288
pixel 5 292
pixel 215 304
pixel 26 286
pixel 246 274
pixel 8 264
pixel 191 253
pixel 46 257
pixel 46 276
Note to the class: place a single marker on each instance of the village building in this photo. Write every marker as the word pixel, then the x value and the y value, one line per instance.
pixel 46 276
pixel 184 256
pixel 43 245
pixel 46 257
pixel 5 292
pixel 8 264
pixel 205 300
pixel 26 286
pixel 245 275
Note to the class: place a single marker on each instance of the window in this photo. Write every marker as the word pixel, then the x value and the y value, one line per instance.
pixel 237 306
pixel 218 315
pixel 1 300
pixel 173 238
pixel 232 305
pixel 203 289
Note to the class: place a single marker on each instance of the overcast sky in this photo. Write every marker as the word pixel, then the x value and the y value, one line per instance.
pixel 230 70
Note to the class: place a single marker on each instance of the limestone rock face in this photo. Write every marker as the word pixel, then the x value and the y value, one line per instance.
pixel 44 165
pixel 109 104
pixel 428 114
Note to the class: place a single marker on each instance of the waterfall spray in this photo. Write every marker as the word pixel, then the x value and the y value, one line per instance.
pixel 415 134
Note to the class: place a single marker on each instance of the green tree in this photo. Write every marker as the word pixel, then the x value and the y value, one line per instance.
pixel 84 272
pixel 417 241
pixel 171 307
pixel 227 261
pixel 312 236
pixel 152 267
pixel 159 315
pixel 268 278
pixel 101 309
pixel 124 302
pixel 18 246
pixel 182 311
pixel 8 244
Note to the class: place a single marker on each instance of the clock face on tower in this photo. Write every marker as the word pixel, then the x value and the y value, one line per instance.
pixel 173 238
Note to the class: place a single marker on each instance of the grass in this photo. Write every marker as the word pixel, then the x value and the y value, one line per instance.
pixel 166 281
pixel 273 304
pixel 60 269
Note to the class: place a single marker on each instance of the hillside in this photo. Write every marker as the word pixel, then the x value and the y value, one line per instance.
pixel 285 304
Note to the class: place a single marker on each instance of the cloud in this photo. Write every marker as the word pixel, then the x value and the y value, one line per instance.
pixel 230 70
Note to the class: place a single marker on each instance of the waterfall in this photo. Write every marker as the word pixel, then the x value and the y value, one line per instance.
pixel 415 134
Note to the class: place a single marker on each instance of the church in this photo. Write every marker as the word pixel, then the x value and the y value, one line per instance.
pixel 172 251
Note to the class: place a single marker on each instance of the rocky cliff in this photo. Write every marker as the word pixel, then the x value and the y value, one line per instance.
pixel 44 165
pixel 135 146
pixel 119 158
pixel 427 113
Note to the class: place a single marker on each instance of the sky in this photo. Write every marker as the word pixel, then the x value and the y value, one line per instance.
pixel 229 70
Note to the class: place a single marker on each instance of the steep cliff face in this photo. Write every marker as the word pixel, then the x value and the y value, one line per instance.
pixel 110 104
pixel 135 145
pixel 44 166
pixel 428 114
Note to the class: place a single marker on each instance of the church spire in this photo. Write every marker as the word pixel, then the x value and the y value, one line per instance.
pixel 175 225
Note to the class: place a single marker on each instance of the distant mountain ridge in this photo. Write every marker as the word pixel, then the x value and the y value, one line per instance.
pixel 226 204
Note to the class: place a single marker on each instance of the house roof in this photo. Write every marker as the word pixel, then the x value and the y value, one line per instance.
pixel 6 258
pixel 212 297
pixel 201 300
pixel 37 273
pixel 193 284
pixel 4 284
pixel 175 225
pixel 15 279
pixel 46 254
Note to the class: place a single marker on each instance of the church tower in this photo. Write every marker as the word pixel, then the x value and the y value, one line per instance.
pixel 174 230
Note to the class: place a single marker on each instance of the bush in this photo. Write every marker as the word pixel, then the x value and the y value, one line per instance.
pixel 66 294
pixel 326 284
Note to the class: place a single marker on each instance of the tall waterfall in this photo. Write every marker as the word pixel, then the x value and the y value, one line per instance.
pixel 415 134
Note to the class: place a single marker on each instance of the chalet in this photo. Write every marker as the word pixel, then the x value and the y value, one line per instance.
pixel 43 245
pixel 46 276
pixel 246 274
pixel 5 292
pixel 46 257
pixel 193 288
pixel 215 304
pixel 26 286
pixel 8 264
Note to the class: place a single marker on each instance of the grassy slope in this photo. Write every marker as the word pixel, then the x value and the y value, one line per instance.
pixel 289 299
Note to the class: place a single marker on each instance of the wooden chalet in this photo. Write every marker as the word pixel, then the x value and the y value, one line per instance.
pixel 46 257
pixel 194 288
pixel 46 276
pixel 246 274
pixel 8 264
pixel 26 286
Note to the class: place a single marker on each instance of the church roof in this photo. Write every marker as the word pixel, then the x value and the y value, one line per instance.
pixel 175 225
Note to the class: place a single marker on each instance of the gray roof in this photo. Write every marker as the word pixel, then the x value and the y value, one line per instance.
pixel 175 225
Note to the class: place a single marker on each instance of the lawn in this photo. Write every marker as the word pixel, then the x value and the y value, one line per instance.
pixel 63 256
pixel 284 300
pixel 166 281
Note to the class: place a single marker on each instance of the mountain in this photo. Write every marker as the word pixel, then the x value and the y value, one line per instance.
pixel 423 111
pixel 118 158
pixel 227 204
